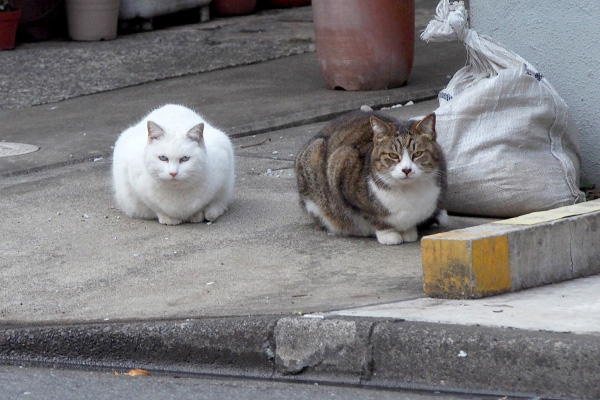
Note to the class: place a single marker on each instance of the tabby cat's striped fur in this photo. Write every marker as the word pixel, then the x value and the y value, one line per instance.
pixel 366 174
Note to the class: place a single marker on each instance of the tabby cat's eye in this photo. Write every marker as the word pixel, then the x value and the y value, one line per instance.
pixel 163 158
pixel 417 154
pixel 394 156
pixel 184 159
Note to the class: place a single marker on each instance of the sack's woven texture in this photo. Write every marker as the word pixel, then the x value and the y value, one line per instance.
pixel 511 145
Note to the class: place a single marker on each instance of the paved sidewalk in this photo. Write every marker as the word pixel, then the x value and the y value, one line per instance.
pixel 86 262
pixel 83 284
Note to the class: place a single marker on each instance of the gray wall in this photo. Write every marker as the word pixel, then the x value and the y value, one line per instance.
pixel 561 39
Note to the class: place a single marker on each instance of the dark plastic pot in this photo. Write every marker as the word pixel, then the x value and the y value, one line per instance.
pixel 40 19
pixel 364 45
pixel 9 20
pixel 233 7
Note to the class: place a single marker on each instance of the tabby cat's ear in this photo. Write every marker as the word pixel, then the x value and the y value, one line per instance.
pixel 196 133
pixel 154 131
pixel 426 126
pixel 381 130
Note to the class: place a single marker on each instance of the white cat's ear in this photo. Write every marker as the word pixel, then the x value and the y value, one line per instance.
pixel 154 131
pixel 426 126
pixel 196 133
pixel 381 130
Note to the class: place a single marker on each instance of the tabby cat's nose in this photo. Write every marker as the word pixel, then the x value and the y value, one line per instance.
pixel 407 171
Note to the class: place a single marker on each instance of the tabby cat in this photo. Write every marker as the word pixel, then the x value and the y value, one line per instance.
pixel 366 174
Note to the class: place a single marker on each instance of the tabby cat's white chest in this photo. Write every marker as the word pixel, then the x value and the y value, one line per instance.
pixel 409 204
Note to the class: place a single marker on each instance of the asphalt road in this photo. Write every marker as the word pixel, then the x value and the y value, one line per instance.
pixel 34 383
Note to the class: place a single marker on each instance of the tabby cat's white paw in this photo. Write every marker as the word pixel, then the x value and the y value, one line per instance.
pixel 389 237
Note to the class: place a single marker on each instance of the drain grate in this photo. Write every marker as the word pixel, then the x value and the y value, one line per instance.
pixel 8 149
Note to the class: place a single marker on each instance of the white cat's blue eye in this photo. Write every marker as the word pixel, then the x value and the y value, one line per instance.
pixel 184 159
pixel 163 158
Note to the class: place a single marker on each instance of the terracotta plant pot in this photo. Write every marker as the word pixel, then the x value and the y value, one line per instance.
pixel 9 20
pixel 92 19
pixel 233 7
pixel 364 45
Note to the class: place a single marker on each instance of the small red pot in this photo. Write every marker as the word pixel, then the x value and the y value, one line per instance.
pixel 233 7
pixel 9 20
pixel 364 45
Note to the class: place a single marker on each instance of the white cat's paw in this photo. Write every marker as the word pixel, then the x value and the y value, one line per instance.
pixel 389 237
pixel 410 235
pixel 198 217
pixel 165 220
pixel 213 212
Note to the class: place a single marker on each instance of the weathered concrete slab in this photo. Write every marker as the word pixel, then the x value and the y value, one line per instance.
pixel 336 346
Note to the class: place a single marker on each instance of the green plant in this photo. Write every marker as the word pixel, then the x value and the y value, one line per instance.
pixel 5 5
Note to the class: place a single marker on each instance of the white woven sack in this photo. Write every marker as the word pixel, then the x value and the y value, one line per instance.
pixel 510 143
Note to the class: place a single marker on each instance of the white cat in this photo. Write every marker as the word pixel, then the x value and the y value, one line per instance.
pixel 173 166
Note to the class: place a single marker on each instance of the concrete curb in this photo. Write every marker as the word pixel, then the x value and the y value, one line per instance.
pixel 218 345
pixel 509 255
pixel 371 352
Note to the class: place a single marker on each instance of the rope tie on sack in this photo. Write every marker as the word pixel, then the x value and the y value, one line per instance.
pixel 485 57
pixel 450 23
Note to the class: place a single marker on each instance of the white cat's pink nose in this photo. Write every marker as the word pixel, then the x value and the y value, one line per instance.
pixel 173 174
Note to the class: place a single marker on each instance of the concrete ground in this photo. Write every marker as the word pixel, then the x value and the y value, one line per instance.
pixel 263 257
pixel 82 284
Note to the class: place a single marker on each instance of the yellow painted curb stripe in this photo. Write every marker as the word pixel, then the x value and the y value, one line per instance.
pixel 446 267
pixel 469 268
pixel 491 267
